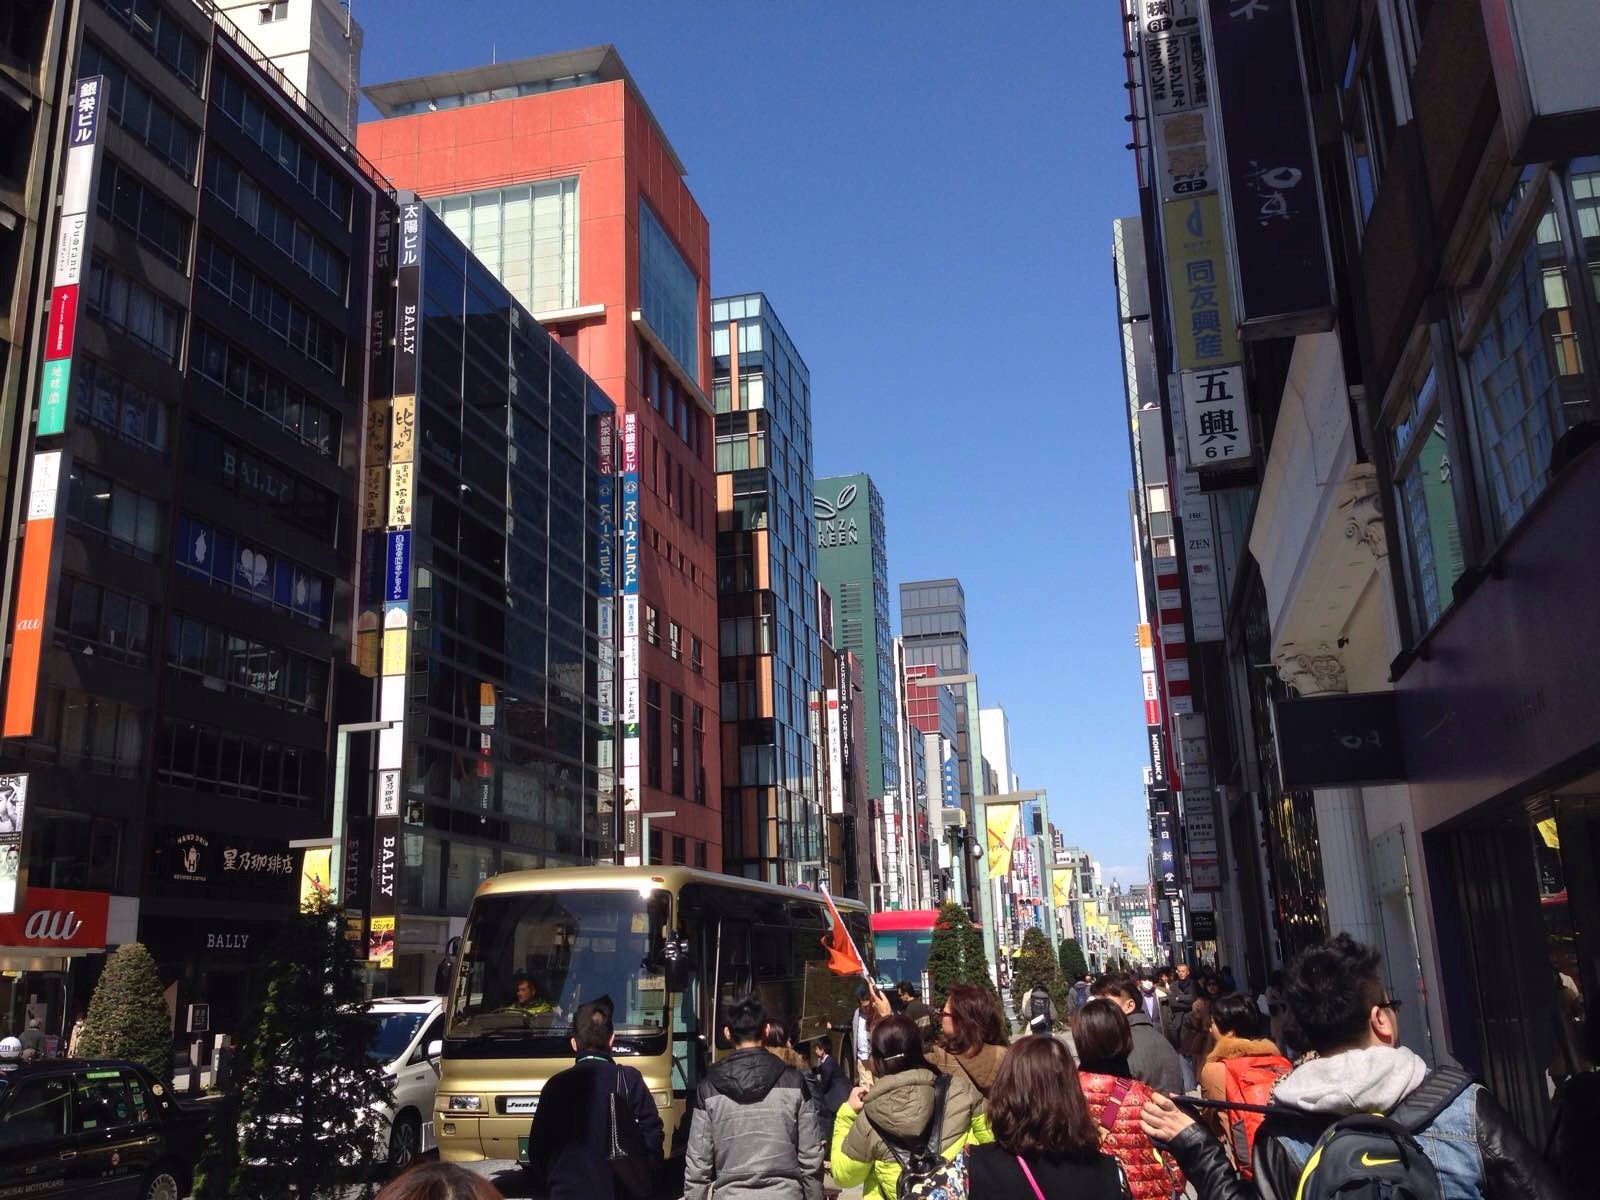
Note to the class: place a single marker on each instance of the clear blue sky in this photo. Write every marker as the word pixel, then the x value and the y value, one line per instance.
pixel 925 193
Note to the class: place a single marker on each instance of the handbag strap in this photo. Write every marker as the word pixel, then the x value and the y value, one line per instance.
pixel 1032 1182
pixel 1112 1108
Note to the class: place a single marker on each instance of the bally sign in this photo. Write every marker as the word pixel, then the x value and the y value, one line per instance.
pixel 51 918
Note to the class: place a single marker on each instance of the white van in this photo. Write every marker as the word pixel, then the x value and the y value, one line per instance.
pixel 407 1027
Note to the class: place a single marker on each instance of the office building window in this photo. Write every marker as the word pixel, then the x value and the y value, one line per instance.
pixel 282 493
pixel 696 655
pixel 81 732
pixel 275 10
pixel 1525 372
pixel 1427 505
pixel 95 620
pixel 697 755
pixel 1366 105
pixel 526 235
pixel 271 307
pixel 677 746
pixel 116 514
pixel 133 309
pixel 159 32
pixel 222 659
pixel 700 855
pixel 111 402
pixel 130 202
pixel 668 293
pixel 674 634
pixel 138 112
pixel 243 196
pixel 269 392
pixel 679 857
pixel 652 734
pixel 204 758
pixel 652 631
pixel 243 566
pixel 234 99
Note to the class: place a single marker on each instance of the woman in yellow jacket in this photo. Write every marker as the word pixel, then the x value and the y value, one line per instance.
pixel 901 1104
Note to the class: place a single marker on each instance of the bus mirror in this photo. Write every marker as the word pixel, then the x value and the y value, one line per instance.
pixel 675 957
pixel 677 974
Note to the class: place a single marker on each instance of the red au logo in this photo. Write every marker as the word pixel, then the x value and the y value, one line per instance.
pixel 52 924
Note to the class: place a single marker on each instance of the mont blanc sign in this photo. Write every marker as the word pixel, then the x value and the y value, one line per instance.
pixel 835 525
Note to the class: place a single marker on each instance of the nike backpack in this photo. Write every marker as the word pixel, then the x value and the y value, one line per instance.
pixel 1249 1080
pixel 1369 1156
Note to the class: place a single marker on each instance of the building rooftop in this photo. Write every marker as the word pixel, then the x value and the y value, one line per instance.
pixel 508 80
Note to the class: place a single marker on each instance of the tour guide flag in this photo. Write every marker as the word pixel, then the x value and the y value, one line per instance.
pixel 843 957
pixel 1000 823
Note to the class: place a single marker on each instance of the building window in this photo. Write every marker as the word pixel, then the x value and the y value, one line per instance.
pixel 111 402
pixel 527 236
pixel 696 655
pixel 89 733
pixel 697 752
pixel 677 744
pixel 244 197
pixel 1366 104
pixel 243 566
pixel 679 848
pixel 674 634
pixel 652 734
pixel 282 493
pixel 270 393
pixel 94 620
pixel 668 293
pixel 118 515
pixel 160 33
pixel 133 309
pixel 139 113
pixel 652 632
pixel 234 99
pixel 271 307
pixel 1421 451
pixel 221 659
pixel 128 201
pixel 271 12
pixel 204 758
pixel 1524 368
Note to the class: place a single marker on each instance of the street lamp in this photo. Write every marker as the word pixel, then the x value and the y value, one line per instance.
pixel 341 773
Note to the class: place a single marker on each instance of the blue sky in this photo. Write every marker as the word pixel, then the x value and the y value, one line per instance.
pixel 925 193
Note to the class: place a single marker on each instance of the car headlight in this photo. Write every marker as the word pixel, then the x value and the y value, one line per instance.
pixel 463 1103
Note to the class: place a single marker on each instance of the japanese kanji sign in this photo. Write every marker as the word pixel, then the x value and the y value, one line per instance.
pixel 1203 329
pixel 1216 417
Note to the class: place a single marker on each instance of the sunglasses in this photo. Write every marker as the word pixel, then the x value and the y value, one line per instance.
pixel 1391 1004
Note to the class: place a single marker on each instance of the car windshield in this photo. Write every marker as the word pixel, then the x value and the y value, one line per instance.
pixel 395 1031
pixel 530 960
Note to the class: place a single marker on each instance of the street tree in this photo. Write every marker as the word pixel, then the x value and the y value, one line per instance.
pixel 1035 966
pixel 127 1015
pixel 1073 964
pixel 975 966
pixel 945 950
pixel 298 1120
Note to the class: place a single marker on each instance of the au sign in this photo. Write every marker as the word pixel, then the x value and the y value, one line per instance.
pixel 54 918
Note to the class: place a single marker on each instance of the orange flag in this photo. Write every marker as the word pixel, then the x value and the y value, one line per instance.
pixel 843 957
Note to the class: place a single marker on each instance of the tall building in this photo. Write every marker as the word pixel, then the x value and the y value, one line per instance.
pixel 996 730
pixel 837 712
pixel 483 572
pixel 316 44
pixel 556 174
pixel 770 665
pixel 931 711
pixel 933 621
pixel 183 600
pixel 853 564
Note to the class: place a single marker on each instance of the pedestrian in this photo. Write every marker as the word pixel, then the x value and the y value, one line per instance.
pixel 1079 994
pixel 1153 1001
pixel 972 1037
pixel 1038 1006
pixel 1242 1067
pixel 1194 1038
pixel 756 1131
pixel 829 1085
pixel 569 1142
pixel 1229 984
pixel 1046 1145
pixel 75 1036
pixel 777 1044
pixel 870 1008
pixel 439 1181
pixel 1277 1011
pixel 32 1040
pixel 911 1004
pixel 1152 1060
pixel 1115 1098
pixel 901 1105
pixel 1180 999
pixel 1341 1004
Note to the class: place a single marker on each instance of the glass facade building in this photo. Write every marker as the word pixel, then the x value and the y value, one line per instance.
pixel 527 235
pixel 501 715
pixel 770 660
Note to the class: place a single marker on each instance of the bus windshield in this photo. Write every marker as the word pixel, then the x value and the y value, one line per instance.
pixel 529 961
pixel 901 954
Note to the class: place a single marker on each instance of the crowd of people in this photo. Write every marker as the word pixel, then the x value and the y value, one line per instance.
pixel 1166 1086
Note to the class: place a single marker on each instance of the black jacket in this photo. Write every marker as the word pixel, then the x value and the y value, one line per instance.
pixel 1512 1168
pixel 1180 999
pixel 993 1174
pixel 830 1088
pixel 569 1141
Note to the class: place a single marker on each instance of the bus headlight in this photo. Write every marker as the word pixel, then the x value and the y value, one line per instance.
pixel 463 1103
pixel 662 1099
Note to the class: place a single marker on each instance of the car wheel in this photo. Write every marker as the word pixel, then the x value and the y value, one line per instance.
pixel 405 1141
pixel 161 1184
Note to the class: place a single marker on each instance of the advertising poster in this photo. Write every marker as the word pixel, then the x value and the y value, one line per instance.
pixel 315 870
pixel 13 810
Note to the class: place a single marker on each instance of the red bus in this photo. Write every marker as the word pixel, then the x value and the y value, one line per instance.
pixel 900 943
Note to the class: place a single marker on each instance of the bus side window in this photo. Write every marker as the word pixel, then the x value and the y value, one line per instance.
pixel 735 979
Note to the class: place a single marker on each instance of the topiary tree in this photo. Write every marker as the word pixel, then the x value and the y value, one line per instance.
pixel 127 1015
pixel 297 1121
pixel 1035 967
pixel 945 951
pixel 975 968
pixel 1073 964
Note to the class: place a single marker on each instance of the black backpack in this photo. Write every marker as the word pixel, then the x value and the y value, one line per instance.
pixel 1369 1156
pixel 1039 1003
pixel 925 1174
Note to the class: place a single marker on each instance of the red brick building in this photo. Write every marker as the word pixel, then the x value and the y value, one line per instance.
pixel 556 174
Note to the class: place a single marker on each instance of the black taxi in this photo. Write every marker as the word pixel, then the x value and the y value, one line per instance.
pixel 107 1130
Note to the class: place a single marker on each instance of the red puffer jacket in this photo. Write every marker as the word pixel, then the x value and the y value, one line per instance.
pixel 1151 1176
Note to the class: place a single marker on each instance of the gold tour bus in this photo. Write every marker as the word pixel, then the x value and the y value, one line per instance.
pixel 669 946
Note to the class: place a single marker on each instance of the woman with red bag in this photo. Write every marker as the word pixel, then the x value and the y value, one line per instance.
pixel 1103 1039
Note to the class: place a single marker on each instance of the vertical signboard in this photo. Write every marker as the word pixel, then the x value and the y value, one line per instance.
pixel 33 593
pixel 13 813
pixel 1279 242
pixel 392 427
pixel 633 849
pixel 836 744
pixel 606 626
pixel 1199 535
pixel 72 243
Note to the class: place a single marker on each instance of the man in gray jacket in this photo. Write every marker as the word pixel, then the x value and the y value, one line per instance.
pixel 755 1131
pixel 1153 1061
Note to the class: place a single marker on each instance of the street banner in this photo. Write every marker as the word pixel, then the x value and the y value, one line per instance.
pixel 316 868
pixel 1001 822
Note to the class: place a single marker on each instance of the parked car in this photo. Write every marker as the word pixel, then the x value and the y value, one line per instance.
pixel 110 1130
pixel 408 1026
